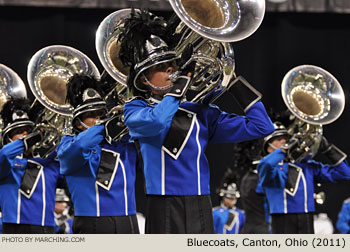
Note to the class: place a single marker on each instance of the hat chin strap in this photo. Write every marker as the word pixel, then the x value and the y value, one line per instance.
pixel 158 88
pixel 83 124
pixel 272 146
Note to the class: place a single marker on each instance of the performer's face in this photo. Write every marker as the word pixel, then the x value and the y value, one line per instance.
pixel 158 75
pixel 277 142
pixel 60 207
pixel 19 133
pixel 90 118
pixel 229 202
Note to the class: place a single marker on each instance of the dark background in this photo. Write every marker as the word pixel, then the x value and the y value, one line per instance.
pixel 283 41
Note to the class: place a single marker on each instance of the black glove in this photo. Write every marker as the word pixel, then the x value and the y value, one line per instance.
pixel 244 93
pixel 185 63
pixel 182 80
pixel 114 128
pixel 333 153
pixel 180 86
pixel 291 148
pixel 32 138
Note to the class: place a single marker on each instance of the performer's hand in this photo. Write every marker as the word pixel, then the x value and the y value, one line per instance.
pixel 324 145
pixel 186 63
pixel 244 93
pixel 32 138
pixel 185 56
pixel 180 86
pixel 333 153
pixel 114 128
pixel 290 147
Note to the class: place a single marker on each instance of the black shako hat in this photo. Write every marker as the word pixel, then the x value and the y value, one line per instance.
pixel 143 45
pixel 15 113
pixel 84 94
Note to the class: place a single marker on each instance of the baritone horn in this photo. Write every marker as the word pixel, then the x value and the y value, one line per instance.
pixel 315 98
pixel 230 21
pixel 48 73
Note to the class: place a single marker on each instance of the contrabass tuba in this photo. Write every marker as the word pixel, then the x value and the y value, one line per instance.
pixel 315 98
pixel 11 86
pixel 48 73
pixel 210 25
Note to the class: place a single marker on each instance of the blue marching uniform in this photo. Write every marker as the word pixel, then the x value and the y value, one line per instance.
pixel 63 224
pixel 100 176
pixel 289 187
pixel 343 222
pixel 172 139
pixel 228 220
pixel 27 186
pixel 0 223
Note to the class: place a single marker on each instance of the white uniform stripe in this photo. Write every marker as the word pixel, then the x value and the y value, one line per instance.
pixel 44 197
pixel 125 188
pixel 237 223
pixel 305 193
pixel 198 158
pixel 285 201
pixel 163 172
pixel 97 201
pixel 19 207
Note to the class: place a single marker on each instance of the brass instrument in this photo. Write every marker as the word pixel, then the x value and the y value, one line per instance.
pixel 315 98
pixel 208 24
pixel 49 70
pixel 11 86
pixel 107 50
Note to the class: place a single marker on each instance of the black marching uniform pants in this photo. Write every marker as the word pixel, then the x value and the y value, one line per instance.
pixel 105 225
pixel 13 228
pixel 292 223
pixel 179 215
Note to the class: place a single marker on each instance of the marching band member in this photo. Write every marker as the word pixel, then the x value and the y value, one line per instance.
pixel 343 222
pixel 228 219
pixel 289 186
pixel 63 221
pixel 172 135
pixel 100 172
pixel 27 184
pixel 247 156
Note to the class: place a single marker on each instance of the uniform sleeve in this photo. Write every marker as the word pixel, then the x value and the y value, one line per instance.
pixel 74 152
pixel 143 120
pixel 242 221
pixel 226 127
pixel 270 174
pixel 217 222
pixel 325 173
pixel 8 153
pixel 343 222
